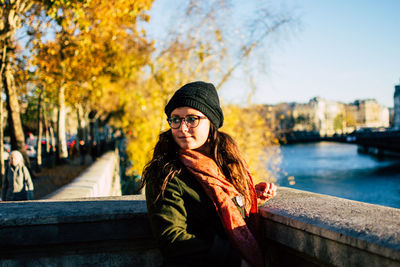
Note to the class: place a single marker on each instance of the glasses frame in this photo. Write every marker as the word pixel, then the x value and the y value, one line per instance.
pixel 183 119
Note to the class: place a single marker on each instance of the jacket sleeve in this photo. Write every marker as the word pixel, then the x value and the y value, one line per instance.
pixel 168 219
pixel 28 179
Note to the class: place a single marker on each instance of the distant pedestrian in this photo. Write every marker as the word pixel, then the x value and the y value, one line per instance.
pixel 74 150
pixel 17 182
pixel 82 151
pixel 94 151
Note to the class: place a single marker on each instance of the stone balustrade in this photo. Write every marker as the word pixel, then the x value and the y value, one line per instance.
pixel 76 226
pixel 308 229
pixel 301 229
pixel 110 231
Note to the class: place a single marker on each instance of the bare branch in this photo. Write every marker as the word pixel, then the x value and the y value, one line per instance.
pixel 247 50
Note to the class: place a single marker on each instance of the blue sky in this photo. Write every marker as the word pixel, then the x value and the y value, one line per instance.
pixel 346 50
pixel 342 51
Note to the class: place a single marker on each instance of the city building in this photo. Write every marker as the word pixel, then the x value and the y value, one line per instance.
pixel 391 116
pixel 327 117
pixel 396 118
pixel 350 117
pixel 303 115
pixel 370 114
pixel 282 115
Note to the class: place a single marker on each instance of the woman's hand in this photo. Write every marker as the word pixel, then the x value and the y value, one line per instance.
pixel 265 191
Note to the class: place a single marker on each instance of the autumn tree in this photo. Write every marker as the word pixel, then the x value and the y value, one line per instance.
pixel 338 122
pixel 204 43
pixel 95 49
pixel 12 14
pixel 255 138
pixel 95 57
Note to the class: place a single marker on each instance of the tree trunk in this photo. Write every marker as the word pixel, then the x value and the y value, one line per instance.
pixel 80 122
pixel 40 132
pixel 14 118
pixel 53 139
pixel 93 132
pixel 82 118
pixel 11 15
pixel 52 152
pixel 2 166
pixel 47 135
pixel 61 136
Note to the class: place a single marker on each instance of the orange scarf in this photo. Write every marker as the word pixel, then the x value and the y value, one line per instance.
pixel 221 192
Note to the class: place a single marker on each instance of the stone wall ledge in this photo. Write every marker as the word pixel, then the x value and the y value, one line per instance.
pixel 106 231
pixel 44 212
pixel 330 230
pixel 301 229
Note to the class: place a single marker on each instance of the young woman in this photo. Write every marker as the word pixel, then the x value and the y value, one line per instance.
pixel 17 182
pixel 200 196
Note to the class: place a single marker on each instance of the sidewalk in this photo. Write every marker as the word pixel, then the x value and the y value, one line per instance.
pixel 50 179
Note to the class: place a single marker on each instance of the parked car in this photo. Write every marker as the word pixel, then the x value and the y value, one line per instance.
pixel 30 150
pixel 7 147
pixel 6 155
pixel 6 151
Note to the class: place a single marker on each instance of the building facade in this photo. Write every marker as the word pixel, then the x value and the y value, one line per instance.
pixel 396 108
pixel 370 114
pixel 330 117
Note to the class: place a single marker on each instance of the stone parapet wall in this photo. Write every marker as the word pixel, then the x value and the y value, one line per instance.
pixel 101 179
pixel 308 229
pixel 112 231
pixel 301 229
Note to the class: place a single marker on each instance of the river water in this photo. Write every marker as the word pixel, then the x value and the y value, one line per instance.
pixel 337 169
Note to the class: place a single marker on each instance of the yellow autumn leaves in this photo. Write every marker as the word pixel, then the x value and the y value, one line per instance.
pixel 99 53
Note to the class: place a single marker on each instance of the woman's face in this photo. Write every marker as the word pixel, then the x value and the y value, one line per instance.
pixel 14 160
pixel 190 138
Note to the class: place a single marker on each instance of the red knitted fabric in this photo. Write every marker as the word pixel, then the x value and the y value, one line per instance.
pixel 221 192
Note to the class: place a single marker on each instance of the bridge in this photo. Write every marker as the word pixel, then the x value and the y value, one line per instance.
pixel 374 142
pixel 300 228
pixel 377 143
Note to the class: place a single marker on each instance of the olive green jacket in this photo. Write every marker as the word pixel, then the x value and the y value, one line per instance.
pixel 187 227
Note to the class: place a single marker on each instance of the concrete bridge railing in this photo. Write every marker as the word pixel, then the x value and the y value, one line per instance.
pixel 111 231
pixel 308 229
pixel 301 229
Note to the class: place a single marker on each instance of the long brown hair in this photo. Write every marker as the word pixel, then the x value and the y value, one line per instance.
pixel 165 164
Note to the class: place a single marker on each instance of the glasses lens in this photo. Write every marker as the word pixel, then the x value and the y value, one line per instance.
pixel 192 121
pixel 174 122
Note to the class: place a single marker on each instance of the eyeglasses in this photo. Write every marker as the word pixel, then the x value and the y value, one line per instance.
pixel 191 121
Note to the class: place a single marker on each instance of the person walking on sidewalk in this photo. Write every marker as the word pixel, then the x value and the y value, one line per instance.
pixel 17 182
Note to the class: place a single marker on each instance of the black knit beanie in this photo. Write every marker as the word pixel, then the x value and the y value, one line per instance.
pixel 201 96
